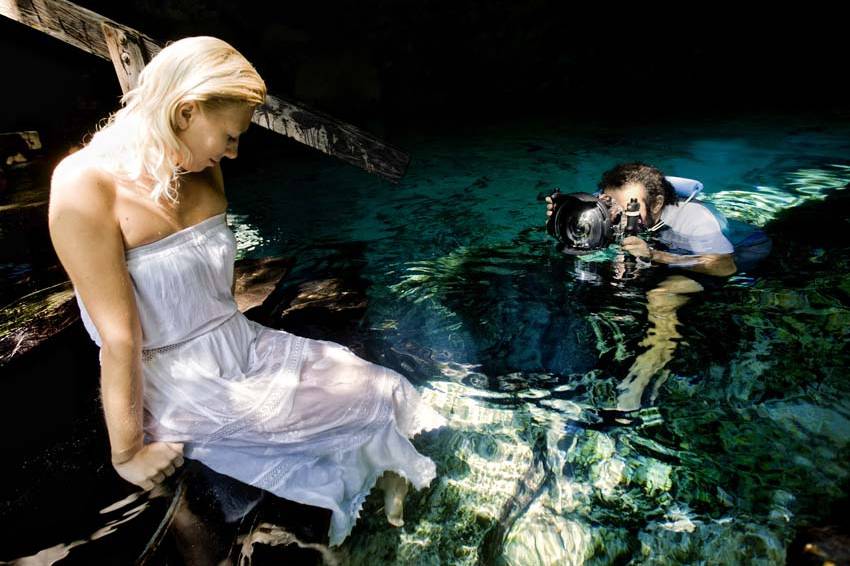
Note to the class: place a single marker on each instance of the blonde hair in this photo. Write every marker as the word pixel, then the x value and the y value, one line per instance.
pixel 139 142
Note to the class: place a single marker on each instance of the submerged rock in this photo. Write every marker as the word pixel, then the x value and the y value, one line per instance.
pixel 255 279
pixel 541 538
pixel 714 542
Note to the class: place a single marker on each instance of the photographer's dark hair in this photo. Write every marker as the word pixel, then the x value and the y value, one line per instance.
pixel 637 172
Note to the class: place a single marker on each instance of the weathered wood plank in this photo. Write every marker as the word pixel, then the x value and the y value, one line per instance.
pixel 68 22
pixel 82 28
pixel 127 54
pixel 333 137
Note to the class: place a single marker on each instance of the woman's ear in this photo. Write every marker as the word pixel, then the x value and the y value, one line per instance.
pixel 186 112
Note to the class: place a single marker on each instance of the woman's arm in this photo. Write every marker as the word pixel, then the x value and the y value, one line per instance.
pixel 89 243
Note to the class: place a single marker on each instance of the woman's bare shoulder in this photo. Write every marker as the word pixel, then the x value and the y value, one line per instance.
pixel 82 183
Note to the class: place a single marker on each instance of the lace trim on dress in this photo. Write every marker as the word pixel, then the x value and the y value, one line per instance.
pixel 271 405
pixel 151 353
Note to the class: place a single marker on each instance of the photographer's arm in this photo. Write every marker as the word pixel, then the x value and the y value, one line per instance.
pixel 718 265
pixel 89 243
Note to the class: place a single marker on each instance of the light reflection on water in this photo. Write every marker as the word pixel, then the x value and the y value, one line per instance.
pixel 523 349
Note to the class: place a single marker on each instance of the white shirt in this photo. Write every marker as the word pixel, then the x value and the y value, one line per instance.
pixel 694 229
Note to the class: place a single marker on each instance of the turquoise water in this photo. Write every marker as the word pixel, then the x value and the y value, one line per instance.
pixel 738 436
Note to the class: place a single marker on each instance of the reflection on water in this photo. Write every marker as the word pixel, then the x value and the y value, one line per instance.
pixel 744 440
pixel 114 517
pixel 248 237
pixel 737 439
pixel 760 204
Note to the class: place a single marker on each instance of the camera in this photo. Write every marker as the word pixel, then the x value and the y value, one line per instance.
pixel 583 222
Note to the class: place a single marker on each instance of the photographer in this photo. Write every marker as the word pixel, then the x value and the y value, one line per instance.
pixel 689 231
pixel 637 198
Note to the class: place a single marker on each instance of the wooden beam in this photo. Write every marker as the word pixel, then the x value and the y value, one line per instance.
pixel 127 54
pixel 83 29
pixel 333 137
pixel 68 22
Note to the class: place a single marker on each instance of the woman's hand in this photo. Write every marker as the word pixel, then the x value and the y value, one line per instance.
pixel 152 464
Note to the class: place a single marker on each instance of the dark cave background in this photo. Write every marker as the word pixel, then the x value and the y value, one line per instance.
pixel 398 66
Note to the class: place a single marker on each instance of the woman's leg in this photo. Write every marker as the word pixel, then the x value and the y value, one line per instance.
pixel 395 489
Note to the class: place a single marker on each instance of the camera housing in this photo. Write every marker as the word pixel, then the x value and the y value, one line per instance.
pixel 581 221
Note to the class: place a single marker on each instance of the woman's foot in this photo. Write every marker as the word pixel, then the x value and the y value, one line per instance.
pixel 395 488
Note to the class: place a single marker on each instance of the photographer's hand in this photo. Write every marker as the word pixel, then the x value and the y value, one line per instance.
pixel 720 265
pixel 550 206
pixel 637 247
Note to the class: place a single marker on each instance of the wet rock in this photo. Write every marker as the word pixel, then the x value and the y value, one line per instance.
pixel 326 309
pixel 681 541
pixel 546 539
pixel 327 294
pixel 256 278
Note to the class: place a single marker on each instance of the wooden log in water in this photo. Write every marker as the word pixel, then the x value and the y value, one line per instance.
pixel 83 29
pixel 33 319
pixel 18 148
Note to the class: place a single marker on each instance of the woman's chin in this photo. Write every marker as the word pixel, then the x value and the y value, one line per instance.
pixel 198 167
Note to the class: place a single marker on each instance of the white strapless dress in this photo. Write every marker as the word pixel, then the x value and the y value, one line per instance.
pixel 304 419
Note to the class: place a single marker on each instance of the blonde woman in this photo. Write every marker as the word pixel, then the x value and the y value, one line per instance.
pixel 137 218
